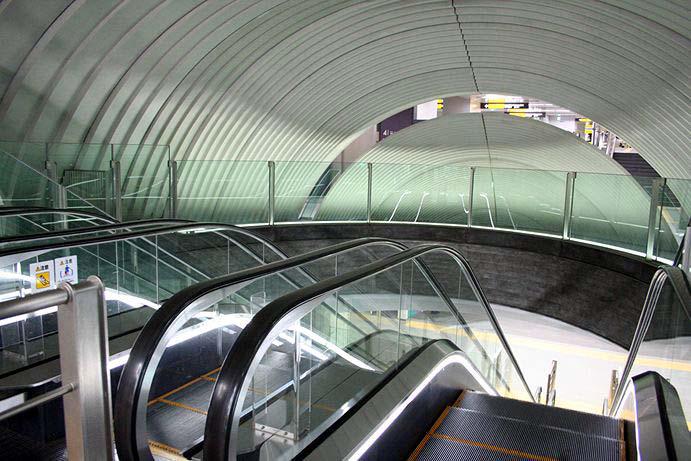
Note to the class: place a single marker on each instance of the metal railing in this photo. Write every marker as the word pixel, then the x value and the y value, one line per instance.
pixel 650 221
pixel 83 341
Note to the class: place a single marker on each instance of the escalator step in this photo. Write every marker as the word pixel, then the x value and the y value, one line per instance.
pixel 442 449
pixel 542 415
pixel 526 437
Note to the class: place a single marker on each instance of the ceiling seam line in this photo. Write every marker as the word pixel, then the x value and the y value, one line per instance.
pixel 482 117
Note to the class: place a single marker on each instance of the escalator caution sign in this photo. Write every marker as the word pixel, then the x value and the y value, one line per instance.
pixel 42 275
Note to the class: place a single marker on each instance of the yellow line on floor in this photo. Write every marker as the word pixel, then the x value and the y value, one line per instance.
pixel 570 349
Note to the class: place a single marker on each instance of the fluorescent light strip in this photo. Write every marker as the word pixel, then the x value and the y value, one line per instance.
pixel 364 446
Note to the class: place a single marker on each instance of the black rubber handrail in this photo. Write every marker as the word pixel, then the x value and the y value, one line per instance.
pixel 680 286
pixel 89 230
pixel 225 409
pixel 183 226
pixel 130 410
pixel 33 210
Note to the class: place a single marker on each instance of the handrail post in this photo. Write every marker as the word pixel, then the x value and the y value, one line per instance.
pixel 58 192
pixel 173 172
pixel 471 184
pixel 686 257
pixel 117 189
pixel 369 193
pixel 83 340
pixel 272 192
pixel 654 216
pixel 568 204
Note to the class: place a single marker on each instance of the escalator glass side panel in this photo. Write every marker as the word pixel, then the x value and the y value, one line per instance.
pixel 332 357
pixel 184 365
pixel 35 221
pixel 138 273
pixel 666 346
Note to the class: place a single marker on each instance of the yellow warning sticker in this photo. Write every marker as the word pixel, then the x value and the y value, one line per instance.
pixel 42 280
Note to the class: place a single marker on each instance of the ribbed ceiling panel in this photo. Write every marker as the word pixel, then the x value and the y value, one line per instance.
pixel 298 79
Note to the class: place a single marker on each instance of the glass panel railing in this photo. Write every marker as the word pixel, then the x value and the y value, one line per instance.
pixel 139 269
pixel 341 195
pixel 23 185
pixel 23 221
pixel 177 379
pixel 145 180
pixel 522 200
pixel 420 193
pixel 611 210
pixel 223 191
pixel 674 217
pixel 48 237
pixel 84 170
pixel 329 359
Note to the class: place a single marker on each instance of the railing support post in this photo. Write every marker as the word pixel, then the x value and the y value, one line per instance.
pixel 471 184
pixel 117 189
pixel 272 192
pixel 568 204
pixel 685 256
pixel 369 193
pixel 83 340
pixel 654 216
pixel 173 169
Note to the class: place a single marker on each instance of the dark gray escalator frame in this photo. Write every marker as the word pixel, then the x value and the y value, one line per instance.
pixel 224 412
pixel 660 421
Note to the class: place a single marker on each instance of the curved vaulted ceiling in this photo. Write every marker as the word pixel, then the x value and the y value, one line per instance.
pixel 272 79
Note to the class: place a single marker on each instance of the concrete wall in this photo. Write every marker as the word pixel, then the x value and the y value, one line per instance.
pixel 598 290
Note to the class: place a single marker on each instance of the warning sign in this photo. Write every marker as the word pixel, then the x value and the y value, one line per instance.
pixel 43 276
pixel 66 269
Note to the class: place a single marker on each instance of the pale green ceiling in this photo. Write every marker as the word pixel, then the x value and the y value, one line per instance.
pixel 290 80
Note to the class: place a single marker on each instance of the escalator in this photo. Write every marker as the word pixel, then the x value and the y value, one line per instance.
pixel 149 262
pixel 416 367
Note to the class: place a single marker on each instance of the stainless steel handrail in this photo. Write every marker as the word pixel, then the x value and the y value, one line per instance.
pixel 225 409
pixel 679 284
pixel 83 341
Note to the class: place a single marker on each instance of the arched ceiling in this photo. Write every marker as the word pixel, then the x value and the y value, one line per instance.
pixel 297 79
pixel 415 166
pixel 491 139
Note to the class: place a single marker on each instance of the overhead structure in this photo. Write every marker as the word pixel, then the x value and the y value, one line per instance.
pixel 297 80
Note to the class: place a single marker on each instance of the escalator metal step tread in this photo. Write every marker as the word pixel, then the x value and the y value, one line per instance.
pixel 527 437
pixel 542 415
pixel 441 449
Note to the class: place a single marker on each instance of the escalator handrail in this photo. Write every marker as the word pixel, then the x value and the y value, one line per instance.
pixel 225 408
pixel 680 285
pixel 6 212
pixel 182 226
pixel 137 374
pixel 89 230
